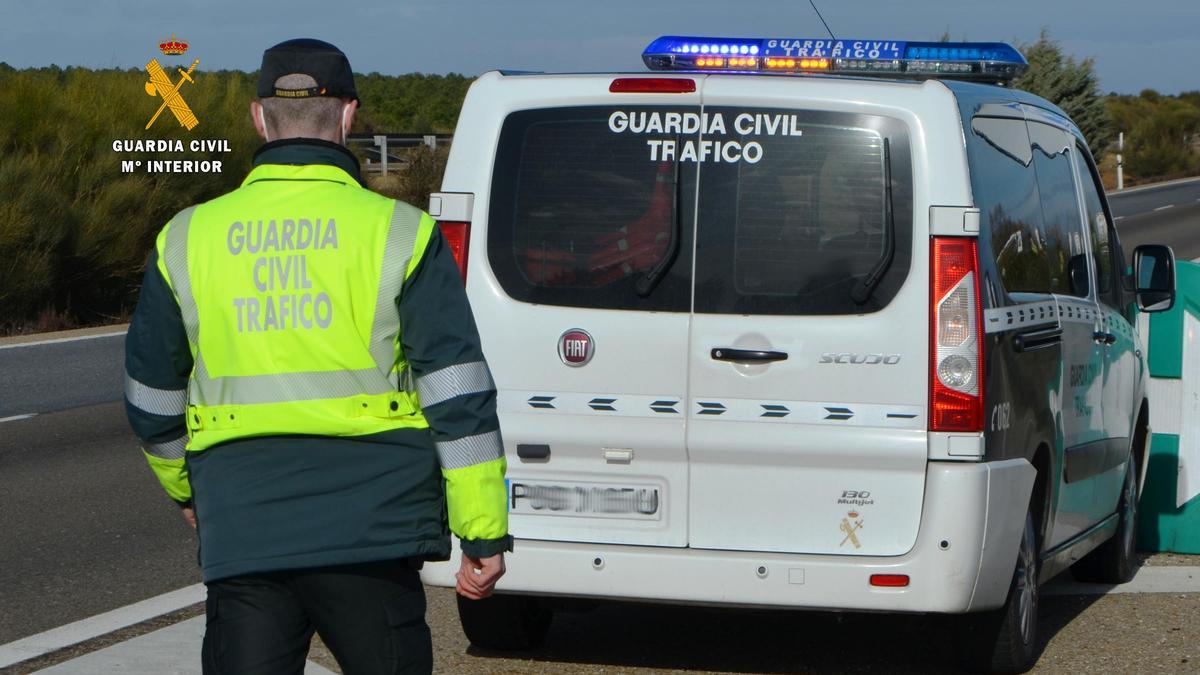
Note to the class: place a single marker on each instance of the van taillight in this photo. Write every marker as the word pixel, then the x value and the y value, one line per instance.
pixel 955 336
pixel 458 237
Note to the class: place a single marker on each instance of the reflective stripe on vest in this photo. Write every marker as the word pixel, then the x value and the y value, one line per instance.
pixel 175 258
pixel 370 392
pixel 163 402
pixel 170 450
pixel 454 381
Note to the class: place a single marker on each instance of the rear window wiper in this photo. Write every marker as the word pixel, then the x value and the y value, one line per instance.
pixel 866 286
pixel 646 285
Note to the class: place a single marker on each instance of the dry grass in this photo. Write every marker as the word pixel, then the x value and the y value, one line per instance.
pixel 74 229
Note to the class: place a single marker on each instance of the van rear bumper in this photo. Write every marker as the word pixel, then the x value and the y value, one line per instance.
pixel 963 559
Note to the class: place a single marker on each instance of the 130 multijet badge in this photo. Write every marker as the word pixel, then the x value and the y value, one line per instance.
pixel 576 347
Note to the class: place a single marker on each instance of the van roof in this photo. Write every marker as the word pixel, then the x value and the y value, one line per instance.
pixel 715 73
pixel 974 93
pixel 970 93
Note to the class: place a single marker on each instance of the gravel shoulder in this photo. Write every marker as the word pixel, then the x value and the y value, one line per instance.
pixel 1111 633
pixel 1170 560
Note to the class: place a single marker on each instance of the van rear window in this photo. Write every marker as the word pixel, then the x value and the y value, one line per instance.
pixel 784 211
pixel 581 216
pixel 797 231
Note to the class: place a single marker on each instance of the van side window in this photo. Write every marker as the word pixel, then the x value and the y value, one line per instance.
pixel 581 213
pixel 1097 223
pixel 1066 247
pixel 1003 182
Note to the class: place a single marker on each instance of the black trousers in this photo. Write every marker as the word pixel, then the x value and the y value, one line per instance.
pixel 371 616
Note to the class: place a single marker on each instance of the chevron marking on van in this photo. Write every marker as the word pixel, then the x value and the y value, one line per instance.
pixel 544 402
pixel 603 404
pixel 664 406
pixel 774 410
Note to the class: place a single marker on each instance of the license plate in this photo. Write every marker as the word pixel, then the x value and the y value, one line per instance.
pixel 584 500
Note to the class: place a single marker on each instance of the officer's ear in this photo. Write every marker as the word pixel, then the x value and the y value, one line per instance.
pixel 260 123
pixel 348 111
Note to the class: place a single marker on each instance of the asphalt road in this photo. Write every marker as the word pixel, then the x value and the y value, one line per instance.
pixel 1146 199
pixel 60 376
pixel 1166 214
pixel 84 527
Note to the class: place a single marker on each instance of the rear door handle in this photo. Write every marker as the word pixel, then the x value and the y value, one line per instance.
pixel 747 355
pixel 1032 340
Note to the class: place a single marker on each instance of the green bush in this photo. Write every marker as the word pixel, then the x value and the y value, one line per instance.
pixel 1160 133
pixel 75 230
pixel 412 103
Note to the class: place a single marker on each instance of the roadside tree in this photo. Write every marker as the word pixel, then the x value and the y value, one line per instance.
pixel 1071 85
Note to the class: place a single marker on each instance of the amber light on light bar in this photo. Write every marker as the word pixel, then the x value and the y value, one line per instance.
pixel 792 64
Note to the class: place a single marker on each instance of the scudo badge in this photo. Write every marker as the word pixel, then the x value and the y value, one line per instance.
pixel 576 347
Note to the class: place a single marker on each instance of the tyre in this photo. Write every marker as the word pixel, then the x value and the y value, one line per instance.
pixel 504 622
pixel 1005 640
pixel 1115 561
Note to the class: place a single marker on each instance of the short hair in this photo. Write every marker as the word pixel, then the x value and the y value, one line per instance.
pixel 315 117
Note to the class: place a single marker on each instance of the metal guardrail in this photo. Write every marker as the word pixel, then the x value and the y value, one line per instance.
pixel 376 149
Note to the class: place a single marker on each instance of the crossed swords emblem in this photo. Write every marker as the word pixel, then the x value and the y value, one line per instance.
pixel 851 530
pixel 160 85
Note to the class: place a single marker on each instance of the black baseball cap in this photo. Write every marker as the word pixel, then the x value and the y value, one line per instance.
pixel 305 56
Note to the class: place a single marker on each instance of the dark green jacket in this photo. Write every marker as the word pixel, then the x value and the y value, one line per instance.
pixel 287 502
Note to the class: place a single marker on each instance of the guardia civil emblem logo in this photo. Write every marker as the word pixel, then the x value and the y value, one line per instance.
pixel 161 86
pixel 851 524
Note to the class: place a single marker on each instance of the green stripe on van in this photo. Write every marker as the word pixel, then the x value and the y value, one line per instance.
pixel 1163 526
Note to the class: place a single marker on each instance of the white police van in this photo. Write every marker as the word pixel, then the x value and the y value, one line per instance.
pixel 826 324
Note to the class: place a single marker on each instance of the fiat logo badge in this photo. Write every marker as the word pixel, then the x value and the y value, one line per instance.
pixel 576 347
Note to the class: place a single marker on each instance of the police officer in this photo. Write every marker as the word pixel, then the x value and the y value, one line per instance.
pixel 306 377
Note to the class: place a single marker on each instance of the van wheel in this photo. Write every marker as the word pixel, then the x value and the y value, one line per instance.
pixel 1005 640
pixel 1114 561
pixel 504 622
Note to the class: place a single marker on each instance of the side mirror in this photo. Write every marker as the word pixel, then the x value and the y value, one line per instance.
pixel 1077 273
pixel 1154 277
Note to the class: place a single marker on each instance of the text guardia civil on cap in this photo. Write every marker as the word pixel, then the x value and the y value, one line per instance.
pixel 318 59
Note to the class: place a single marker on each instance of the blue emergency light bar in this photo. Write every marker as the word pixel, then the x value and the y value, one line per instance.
pixel 982 61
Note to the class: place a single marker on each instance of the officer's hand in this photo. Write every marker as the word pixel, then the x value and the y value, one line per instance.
pixel 189 515
pixel 477 577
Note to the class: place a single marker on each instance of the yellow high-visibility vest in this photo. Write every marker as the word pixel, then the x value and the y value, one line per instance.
pixel 288 289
